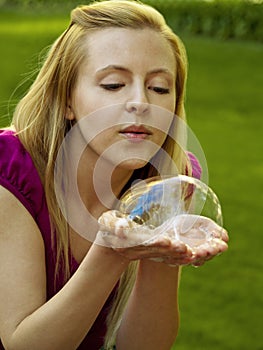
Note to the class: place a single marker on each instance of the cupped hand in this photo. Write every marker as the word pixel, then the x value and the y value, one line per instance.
pixel 182 240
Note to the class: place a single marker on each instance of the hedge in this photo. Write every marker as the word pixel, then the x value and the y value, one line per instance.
pixel 223 19
pixel 219 18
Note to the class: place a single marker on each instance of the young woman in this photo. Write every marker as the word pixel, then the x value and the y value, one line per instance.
pixel 116 63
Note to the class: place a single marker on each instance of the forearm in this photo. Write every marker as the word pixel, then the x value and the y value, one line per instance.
pixel 63 321
pixel 151 318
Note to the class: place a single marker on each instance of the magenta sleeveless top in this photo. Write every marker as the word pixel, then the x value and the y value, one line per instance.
pixel 19 175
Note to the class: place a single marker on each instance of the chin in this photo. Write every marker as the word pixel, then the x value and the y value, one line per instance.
pixel 132 164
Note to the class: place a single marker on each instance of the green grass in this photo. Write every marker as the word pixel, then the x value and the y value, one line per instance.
pixel 23 41
pixel 222 302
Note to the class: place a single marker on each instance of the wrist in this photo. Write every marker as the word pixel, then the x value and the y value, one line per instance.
pixel 152 266
pixel 107 256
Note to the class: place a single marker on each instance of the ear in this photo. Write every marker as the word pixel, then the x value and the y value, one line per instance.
pixel 69 113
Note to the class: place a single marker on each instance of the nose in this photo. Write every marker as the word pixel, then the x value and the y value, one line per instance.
pixel 138 103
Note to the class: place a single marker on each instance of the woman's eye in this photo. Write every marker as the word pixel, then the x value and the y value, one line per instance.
pixel 160 90
pixel 112 87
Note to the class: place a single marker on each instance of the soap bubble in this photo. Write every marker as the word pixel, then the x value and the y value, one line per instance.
pixel 184 202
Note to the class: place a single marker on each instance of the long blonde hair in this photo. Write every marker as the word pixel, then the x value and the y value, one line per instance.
pixel 40 116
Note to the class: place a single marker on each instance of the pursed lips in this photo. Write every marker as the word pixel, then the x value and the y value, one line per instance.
pixel 136 133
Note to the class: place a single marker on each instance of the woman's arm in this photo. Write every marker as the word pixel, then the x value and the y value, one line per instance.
pixel 27 321
pixel 151 318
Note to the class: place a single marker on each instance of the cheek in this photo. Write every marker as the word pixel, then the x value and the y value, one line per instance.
pixel 168 102
pixel 84 102
pixel 99 113
pixel 162 121
pixel 102 140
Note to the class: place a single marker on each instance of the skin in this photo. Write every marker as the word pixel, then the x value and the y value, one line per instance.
pixel 25 315
pixel 128 82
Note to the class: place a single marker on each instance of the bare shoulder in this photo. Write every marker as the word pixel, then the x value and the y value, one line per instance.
pixel 22 263
pixel 12 210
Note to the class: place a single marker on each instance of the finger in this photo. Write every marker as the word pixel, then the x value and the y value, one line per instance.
pixel 220 233
pixel 159 250
pixel 225 236
pixel 220 244
pixel 209 252
pixel 168 247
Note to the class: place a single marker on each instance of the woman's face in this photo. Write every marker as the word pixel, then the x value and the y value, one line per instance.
pixel 125 95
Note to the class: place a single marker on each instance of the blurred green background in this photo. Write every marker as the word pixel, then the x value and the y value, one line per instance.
pixel 221 302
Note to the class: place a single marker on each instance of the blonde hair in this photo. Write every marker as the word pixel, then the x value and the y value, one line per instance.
pixel 40 116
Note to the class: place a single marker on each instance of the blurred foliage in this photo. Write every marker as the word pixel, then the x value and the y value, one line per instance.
pixel 224 19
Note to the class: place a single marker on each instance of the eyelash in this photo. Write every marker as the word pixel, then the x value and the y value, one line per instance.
pixel 159 90
pixel 112 87
pixel 115 87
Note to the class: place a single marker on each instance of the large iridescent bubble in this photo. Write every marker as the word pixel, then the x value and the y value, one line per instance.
pixel 182 207
pixel 153 201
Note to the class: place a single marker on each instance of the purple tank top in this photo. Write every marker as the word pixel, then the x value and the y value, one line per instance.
pixel 19 175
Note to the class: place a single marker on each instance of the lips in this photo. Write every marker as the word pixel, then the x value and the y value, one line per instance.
pixel 136 133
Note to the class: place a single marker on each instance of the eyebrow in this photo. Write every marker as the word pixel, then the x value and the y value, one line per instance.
pixel 124 69
pixel 113 67
pixel 161 70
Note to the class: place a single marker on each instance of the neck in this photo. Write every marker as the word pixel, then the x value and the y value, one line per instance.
pixel 100 184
